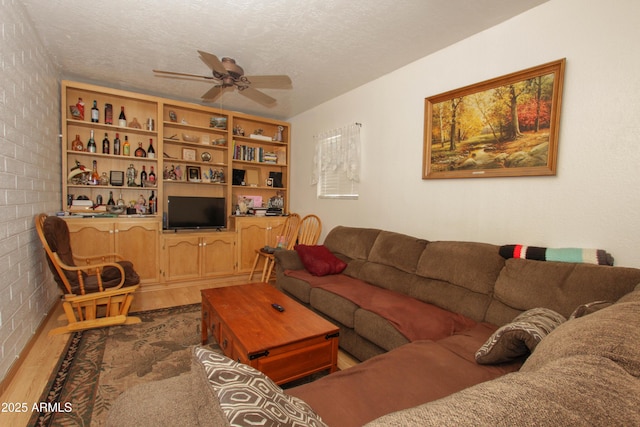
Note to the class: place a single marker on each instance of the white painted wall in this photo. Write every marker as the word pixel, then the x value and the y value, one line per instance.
pixel 594 199
pixel 29 178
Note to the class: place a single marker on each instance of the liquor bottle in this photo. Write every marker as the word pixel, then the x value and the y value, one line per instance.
pixel 108 114
pixel 143 176
pixel 110 202
pixel 126 148
pixel 120 201
pixel 151 153
pixel 95 113
pixel 77 145
pixel 152 176
pixel 122 119
pixel 116 145
pixel 152 203
pixel 91 145
pixel 105 144
pixel 140 151
pixel 95 178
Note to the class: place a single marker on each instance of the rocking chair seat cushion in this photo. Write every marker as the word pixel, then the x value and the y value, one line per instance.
pixel 56 232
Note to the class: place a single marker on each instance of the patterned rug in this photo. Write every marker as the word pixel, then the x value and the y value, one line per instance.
pixel 99 364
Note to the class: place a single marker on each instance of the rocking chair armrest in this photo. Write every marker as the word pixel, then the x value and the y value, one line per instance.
pixel 88 259
pixel 93 269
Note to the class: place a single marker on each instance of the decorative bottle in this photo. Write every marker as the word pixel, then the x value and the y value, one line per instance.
pixel 152 176
pixel 91 145
pixel 110 202
pixel 108 114
pixel 116 145
pixel 80 107
pixel 105 144
pixel 95 178
pixel 95 113
pixel 152 203
pixel 77 145
pixel 140 151
pixel 126 148
pixel 151 153
pixel 143 176
pixel 122 119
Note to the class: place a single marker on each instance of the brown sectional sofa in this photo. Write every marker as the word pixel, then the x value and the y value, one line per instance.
pixel 468 278
pixel 584 372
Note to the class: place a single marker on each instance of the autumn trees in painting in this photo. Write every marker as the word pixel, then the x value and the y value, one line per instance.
pixel 503 127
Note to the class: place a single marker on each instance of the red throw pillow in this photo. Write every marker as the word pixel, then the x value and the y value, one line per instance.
pixel 319 261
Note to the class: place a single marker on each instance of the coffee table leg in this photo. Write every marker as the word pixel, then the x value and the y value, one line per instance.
pixel 204 327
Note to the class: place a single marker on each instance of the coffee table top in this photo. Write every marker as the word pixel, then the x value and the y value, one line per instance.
pixel 247 311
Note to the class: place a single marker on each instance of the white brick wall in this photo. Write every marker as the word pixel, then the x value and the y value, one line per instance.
pixel 29 177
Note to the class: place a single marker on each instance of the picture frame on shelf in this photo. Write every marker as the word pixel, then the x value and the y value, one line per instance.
pixel 252 177
pixel 473 132
pixel 189 154
pixel 116 178
pixel 193 174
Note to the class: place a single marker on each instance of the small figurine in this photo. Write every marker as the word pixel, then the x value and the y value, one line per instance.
pixel 178 173
pixel 278 137
pixel 132 173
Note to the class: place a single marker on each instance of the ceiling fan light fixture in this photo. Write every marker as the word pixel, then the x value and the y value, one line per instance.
pixel 231 76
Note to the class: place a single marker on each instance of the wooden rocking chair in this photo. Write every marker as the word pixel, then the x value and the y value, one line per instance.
pixel 289 234
pixel 98 292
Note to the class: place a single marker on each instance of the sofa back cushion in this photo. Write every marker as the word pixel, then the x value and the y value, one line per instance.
pixel 526 284
pixel 351 242
pixel 471 265
pixel 612 333
pixel 397 250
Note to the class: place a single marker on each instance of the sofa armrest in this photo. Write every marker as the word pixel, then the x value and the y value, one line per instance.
pixel 288 260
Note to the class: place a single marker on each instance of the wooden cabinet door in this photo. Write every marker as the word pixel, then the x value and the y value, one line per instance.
pixel 89 237
pixel 252 235
pixel 181 257
pixel 218 254
pixel 137 241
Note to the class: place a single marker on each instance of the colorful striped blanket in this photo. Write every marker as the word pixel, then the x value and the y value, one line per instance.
pixel 589 256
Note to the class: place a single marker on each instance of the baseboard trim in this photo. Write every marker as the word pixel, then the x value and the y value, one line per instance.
pixel 12 372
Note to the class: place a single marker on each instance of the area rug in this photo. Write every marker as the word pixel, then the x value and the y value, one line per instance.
pixel 99 364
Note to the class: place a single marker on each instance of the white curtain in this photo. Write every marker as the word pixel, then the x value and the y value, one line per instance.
pixel 337 150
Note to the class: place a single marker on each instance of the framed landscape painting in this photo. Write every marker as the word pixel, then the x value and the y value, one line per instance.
pixel 507 126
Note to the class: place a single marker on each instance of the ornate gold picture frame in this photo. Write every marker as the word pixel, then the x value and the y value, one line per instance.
pixel 507 126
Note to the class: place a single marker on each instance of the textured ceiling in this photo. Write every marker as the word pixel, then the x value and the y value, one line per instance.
pixel 327 47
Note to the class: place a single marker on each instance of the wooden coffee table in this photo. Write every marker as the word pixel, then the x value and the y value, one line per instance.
pixel 285 345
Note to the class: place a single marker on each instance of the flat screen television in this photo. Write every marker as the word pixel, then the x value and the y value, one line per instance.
pixel 189 212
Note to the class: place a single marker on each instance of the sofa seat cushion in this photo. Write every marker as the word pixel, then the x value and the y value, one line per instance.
pixel 410 375
pixel 575 391
pixel 416 320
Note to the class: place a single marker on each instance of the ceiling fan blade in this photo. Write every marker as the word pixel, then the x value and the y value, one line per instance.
pixel 173 73
pixel 214 93
pixel 212 62
pixel 257 96
pixel 270 82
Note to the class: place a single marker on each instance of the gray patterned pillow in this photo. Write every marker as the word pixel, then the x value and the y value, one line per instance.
pixel 248 397
pixel 519 337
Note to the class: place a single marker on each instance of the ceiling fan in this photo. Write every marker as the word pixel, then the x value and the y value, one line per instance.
pixel 229 76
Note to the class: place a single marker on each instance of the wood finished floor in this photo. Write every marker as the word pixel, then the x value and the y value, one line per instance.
pixel 34 370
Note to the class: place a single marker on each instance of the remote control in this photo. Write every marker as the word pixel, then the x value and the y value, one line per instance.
pixel 278 307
